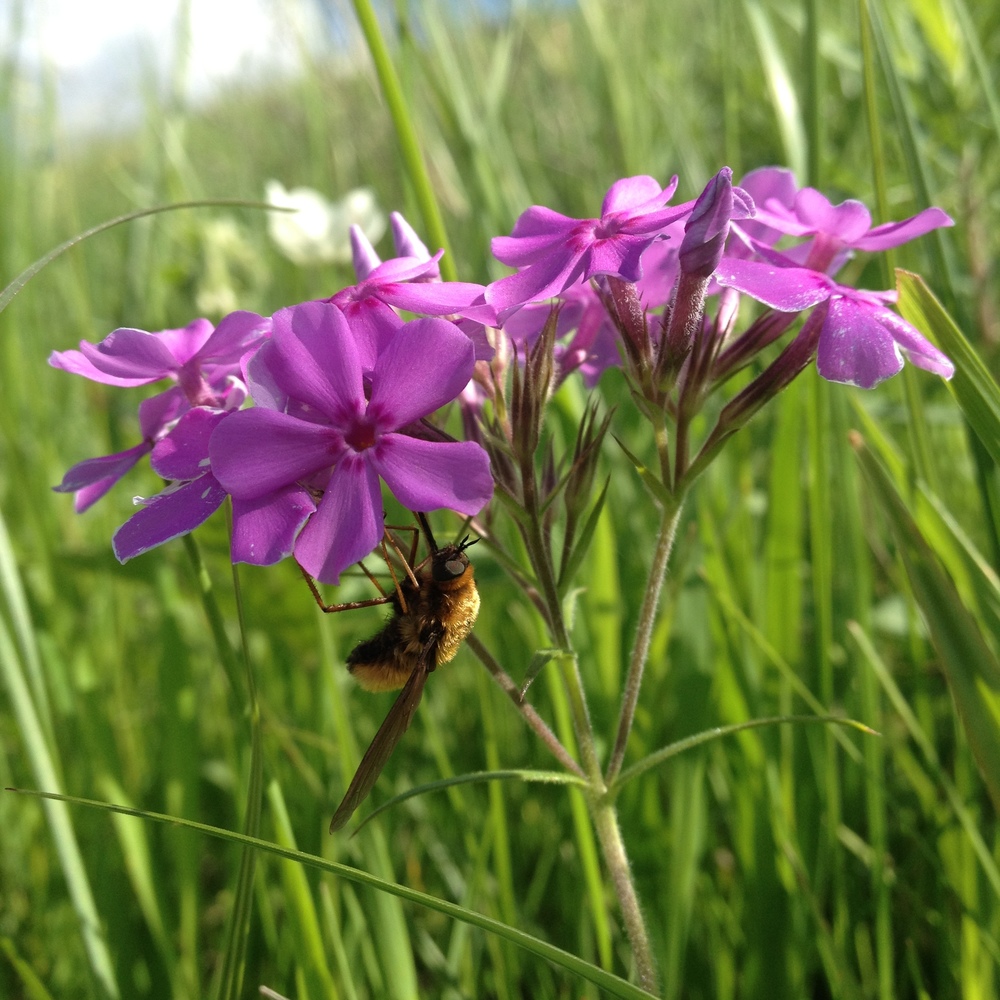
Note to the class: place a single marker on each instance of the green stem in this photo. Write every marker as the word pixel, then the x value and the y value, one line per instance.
pixel 533 719
pixel 234 962
pixel 602 812
pixel 613 848
pixel 644 634
pixel 413 158
pixel 568 666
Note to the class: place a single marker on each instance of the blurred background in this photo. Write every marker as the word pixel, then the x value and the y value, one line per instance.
pixel 792 862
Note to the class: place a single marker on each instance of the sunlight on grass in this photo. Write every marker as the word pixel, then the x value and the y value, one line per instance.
pixel 781 861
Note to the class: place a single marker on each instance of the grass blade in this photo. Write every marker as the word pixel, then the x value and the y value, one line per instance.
pixel 970 665
pixel 611 984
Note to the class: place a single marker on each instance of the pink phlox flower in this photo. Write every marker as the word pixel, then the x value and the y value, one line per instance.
pixel 553 251
pixel 834 229
pixel 409 244
pixel 205 362
pixel 353 439
pixel 861 342
pixel 193 494
pixel 405 283
pixel 707 227
pixel 198 357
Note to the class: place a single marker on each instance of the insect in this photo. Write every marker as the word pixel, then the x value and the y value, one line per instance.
pixel 434 607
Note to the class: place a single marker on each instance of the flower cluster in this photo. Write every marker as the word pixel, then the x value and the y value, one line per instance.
pixel 344 389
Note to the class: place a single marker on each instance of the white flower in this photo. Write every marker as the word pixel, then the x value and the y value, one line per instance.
pixel 317 232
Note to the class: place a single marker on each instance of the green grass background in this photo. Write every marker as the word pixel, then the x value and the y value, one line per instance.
pixel 787 862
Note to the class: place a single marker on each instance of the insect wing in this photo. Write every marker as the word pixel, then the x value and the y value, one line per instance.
pixel 389 734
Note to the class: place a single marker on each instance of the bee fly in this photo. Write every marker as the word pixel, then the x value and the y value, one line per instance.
pixel 434 607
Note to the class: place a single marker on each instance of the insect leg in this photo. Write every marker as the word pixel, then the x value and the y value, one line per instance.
pixel 349 605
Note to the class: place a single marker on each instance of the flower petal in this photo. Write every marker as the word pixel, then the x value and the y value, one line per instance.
pixel 264 529
pixel 254 452
pixel 437 298
pixel 132 354
pixel 258 373
pixel 317 359
pixel 363 254
pixel 184 342
pixel 846 222
pixel 157 413
pixel 918 349
pixel 618 257
pixel 428 475
pixel 426 365
pixel 234 336
pixel 788 289
pixel 395 270
pixel 539 281
pixel 92 478
pixel 169 514
pixel 347 524
pixel 183 453
pixel 636 195
pixel 78 364
pixel 406 241
pixel 892 234
pixel 373 324
pixel 854 348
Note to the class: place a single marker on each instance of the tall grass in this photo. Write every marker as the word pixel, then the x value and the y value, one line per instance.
pixel 783 862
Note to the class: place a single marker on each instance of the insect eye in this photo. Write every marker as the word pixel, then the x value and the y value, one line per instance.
pixel 455 567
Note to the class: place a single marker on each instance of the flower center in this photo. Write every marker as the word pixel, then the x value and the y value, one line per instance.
pixel 361 435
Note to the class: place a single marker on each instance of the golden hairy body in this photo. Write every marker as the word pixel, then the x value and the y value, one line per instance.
pixel 428 623
pixel 433 610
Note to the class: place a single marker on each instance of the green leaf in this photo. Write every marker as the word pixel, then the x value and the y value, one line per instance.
pixel 477 777
pixel 969 664
pixel 539 660
pixel 572 564
pixel 34 988
pixel 973 387
pixel 659 492
pixel 968 821
pixel 300 906
pixel 783 93
pixel 611 984
pixel 664 754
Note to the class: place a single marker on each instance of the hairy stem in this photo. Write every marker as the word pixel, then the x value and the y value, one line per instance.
pixel 613 848
pixel 533 719
pixel 644 634
pixel 230 979
pixel 541 561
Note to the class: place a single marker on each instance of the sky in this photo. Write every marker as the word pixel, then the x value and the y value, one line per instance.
pixel 103 55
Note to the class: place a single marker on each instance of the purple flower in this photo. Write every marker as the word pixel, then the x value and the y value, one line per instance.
pixel 554 251
pixel 833 228
pixel 404 283
pixel 707 227
pixel 197 357
pixel 340 443
pixel 176 424
pixel 193 493
pixel 91 479
pixel 861 342
pixel 202 360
